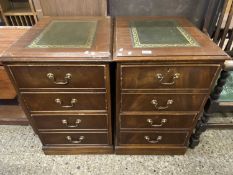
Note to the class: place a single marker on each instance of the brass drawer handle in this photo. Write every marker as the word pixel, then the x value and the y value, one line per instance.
pixel 80 139
pixel 160 77
pixel 67 79
pixel 148 139
pixel 162 122
pixel 77 122
pixel 155 103
pixel 72 102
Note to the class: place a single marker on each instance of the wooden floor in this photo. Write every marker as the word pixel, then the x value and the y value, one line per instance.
pixel 12 115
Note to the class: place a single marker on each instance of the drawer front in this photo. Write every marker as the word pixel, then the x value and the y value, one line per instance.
pixel 153 138
pixel 157 121
pixel 161 102
pixel 74 138
pixel 64 101
pixel 89 76
pixel 71 121
pixel 168 76
pixel 7 90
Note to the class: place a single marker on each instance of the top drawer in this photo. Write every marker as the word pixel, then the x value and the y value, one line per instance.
pixel 61 76
pixel 167 76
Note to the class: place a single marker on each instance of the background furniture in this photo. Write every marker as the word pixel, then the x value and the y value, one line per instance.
pixel 164 78
pixel 218 26
pixel 27 12
pixel 10 112
pixel 73 8
pixel 35 9
pixel 18 12
pixel 194 10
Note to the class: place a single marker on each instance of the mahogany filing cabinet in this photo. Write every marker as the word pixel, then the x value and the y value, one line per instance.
pixel 166 69
pixel 60 69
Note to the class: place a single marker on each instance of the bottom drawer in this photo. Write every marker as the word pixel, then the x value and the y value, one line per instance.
pixel 74 138
pixel 153 138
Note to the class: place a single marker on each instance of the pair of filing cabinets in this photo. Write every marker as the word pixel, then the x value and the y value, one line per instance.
pixel 133 85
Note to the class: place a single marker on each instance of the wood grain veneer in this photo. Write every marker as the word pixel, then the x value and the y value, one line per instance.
pixel 65 92
pixel 160 90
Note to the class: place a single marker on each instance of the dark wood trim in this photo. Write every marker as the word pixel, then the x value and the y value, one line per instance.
pixel 219 126
pixel 218 106
pixel 52 150
pixel 134 150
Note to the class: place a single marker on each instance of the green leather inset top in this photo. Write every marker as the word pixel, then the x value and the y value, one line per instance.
pixel 66 34
pixel 160 33
pixel 227 92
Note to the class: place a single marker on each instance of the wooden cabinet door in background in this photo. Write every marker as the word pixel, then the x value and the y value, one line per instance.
pixel 9 114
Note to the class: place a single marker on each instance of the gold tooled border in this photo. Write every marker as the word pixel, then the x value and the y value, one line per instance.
pixel 88 43
pixel 138 44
